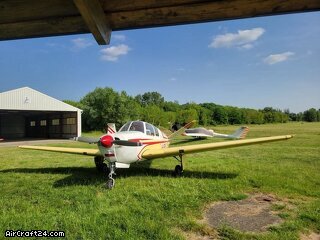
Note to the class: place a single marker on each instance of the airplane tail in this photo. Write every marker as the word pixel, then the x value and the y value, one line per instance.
pixel 111 128
pixel 240 133
pixel 181 130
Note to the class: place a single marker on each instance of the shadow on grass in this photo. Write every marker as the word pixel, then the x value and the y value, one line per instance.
pixel 90 176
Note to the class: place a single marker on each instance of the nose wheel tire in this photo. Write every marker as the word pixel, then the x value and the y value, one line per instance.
pixel 110 183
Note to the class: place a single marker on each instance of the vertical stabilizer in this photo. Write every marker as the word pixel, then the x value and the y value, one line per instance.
pixel 111 128
pixel 240 133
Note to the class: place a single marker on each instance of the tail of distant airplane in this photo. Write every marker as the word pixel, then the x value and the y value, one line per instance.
pixel 240 133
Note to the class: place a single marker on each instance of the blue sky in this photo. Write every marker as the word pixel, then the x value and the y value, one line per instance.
pixel 257 62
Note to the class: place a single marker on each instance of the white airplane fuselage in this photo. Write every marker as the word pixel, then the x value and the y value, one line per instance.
pixel 130 154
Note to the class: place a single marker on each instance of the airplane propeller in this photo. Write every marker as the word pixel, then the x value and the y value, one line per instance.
pixel 108 141
pixel 89 140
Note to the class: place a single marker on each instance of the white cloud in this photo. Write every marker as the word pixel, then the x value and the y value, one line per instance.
pixel 119 37
pixel 113 53
pixel 173 79
pixel 276 58
pixel 246 46
pixel 81 43
pixel 242 39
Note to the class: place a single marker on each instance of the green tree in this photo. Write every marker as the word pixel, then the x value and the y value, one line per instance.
pixel 73 103
pixel 153 114
pixel 101 106
pixel 187 115
pixel 171 106
pixel 150 98
pixel 310 115
pixel 220 115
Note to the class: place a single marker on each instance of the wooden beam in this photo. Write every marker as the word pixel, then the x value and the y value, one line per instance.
pixel 141 16
pixel 95 19
pixel 207 11
pixel 43 28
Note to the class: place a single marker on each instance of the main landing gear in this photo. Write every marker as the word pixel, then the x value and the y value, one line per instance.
pixel 100 165
pixel 178 170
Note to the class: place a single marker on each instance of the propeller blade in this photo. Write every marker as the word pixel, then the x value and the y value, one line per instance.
pixel 127 143
pixel 87 139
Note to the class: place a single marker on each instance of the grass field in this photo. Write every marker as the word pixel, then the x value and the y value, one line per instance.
pixel 55 191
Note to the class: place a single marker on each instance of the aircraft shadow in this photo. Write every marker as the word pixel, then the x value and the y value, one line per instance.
pixel 90 176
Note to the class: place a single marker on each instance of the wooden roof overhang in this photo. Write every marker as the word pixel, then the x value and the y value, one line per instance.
pixel 40 18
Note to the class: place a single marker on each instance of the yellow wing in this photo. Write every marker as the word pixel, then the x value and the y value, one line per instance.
pixel 81 151
pixel 150 153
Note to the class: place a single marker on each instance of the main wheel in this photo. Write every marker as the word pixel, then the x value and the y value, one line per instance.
pixel 110 183
pixel 100 165
pixel 178 170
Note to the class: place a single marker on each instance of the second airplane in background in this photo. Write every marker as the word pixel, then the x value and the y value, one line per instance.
pixel 201 133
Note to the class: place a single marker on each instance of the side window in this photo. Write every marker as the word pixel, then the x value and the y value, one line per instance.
pixel 149 129
pixel 157 131
pixel 71 121
pixel 32 123
pixel 137 126
pixel 55 122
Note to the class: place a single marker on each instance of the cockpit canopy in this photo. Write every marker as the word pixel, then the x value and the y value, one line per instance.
pixel 141 126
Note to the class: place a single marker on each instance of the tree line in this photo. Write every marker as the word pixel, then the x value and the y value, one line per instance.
pixel 105 105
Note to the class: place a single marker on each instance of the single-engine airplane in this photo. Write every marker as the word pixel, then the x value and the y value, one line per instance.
pixel 139 141
pixel 202 133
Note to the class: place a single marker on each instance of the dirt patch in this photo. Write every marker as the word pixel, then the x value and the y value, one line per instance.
pixel 311 236
pixel 253 214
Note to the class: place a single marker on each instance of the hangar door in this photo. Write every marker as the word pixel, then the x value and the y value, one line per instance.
pixel 53 125
pixel 38 124
pixel 12 126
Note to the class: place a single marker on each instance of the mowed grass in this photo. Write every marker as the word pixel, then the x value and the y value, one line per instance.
pixel 56 191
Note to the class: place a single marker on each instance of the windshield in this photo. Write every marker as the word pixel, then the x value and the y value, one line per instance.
pixel 133 126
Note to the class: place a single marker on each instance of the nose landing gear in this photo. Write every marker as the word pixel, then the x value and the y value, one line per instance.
pixel 111 182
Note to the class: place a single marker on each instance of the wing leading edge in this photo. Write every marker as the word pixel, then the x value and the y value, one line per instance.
pixel 150 153
pixel 81 151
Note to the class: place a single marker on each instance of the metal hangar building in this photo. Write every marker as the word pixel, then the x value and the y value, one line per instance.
pixel 27 113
